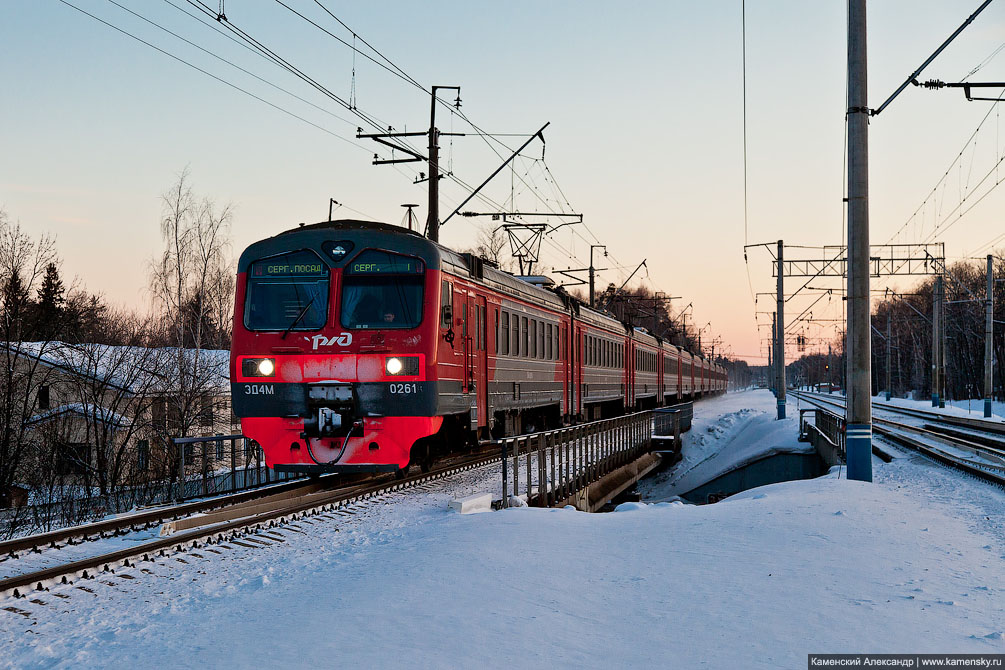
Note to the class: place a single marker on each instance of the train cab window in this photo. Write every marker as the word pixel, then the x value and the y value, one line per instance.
pixel 288 291
pixel 382 290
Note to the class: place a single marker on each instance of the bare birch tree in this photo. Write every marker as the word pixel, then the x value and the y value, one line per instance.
pixel 191 281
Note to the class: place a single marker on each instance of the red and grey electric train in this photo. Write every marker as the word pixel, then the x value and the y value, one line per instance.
pixel 362 346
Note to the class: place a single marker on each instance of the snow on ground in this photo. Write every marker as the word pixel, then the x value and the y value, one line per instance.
pixel 727 433
pixel 911 563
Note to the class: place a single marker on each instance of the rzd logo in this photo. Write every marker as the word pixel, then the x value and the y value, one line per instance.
pixel 342 340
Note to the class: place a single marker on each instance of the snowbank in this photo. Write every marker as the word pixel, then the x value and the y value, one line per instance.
pixel 909 564
pixel 728 433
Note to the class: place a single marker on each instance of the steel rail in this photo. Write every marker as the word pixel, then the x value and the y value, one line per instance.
pixel 145 552
pixel 990 426
pixel 143 519
pixel 989 472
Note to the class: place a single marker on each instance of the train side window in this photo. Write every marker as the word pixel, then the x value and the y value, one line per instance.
pixel 480 328
pixel 557 347
pixel 504 333
pixel 464 319
pixel 446 304
pixel 497 329
pixel 551 349
pixel 540 339
pixel 533 339
pixel 525 347
pixel 515 344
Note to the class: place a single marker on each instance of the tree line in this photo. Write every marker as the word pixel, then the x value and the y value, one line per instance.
pixel 122 374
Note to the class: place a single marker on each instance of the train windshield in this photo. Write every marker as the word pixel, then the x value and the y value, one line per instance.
pixel 289 291
pixel 382 290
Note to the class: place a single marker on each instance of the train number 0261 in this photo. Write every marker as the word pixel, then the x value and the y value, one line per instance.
pixel 404 388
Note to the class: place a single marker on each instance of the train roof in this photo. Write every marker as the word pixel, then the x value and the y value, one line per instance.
pixel 459 263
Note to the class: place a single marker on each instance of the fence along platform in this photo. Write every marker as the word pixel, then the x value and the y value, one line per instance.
pixel 560 467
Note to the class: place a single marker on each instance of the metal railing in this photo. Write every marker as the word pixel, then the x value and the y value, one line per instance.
pixel 216 464
pixel 664 418
pixel 826 425
pixel 557 464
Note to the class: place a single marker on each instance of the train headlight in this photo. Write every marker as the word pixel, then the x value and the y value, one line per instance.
pixel 258 367
pixel 402 365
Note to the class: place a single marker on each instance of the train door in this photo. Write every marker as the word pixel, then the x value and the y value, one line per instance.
pixel 630 369
pixel 467 303
pixel 577 392
pixel 680 377
pixel 481 363
pixel 566 356
pixel 660 381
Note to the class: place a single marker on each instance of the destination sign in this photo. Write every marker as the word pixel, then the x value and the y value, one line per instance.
pixel 392 267
pixel 290 265
pixel 374 263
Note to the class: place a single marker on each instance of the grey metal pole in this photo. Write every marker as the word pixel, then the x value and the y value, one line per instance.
pixel 830 383
pixel 889 337
pixel 988 335
pixel 780 329
pixel 772 355
pixel 433 215
pixel 593 291
pixel 942 343
pixel 935 343
pixel 859 344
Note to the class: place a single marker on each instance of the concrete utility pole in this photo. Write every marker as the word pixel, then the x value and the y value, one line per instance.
pixel 936 341
pixel 830 384
pixel 889 337
pixel 433 219
pixel 942 342
pixel 859 367
pixel 593 272
pixel 780 309
pixel 988 335
pixel 773 356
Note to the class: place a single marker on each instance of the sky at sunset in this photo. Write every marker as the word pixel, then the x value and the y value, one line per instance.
pixel 646 135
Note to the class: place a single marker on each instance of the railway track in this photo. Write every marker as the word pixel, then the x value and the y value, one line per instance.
pixel 994 426
pixel 229 524
pixel 985 456
pixel 10 549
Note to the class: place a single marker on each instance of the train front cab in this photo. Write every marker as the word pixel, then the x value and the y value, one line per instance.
pixel 333 362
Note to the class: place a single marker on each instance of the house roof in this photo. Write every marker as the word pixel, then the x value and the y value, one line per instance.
pixel 86 410
pixel 132 369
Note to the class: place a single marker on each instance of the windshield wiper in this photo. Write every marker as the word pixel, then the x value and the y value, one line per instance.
pixel 297 320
